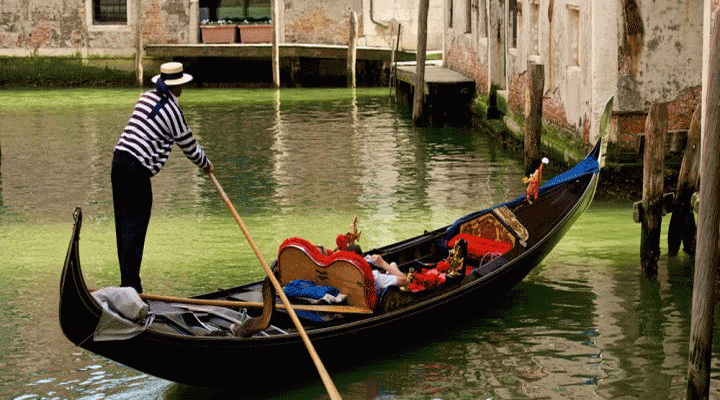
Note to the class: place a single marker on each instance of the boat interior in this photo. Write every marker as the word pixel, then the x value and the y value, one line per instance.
pixel 434 262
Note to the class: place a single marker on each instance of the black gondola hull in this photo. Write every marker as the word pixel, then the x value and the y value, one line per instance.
pixel 213 361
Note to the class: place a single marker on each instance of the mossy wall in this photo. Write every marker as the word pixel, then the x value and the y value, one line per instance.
pixel 59 72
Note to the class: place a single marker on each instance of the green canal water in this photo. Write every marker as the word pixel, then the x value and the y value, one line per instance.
pixel 583 325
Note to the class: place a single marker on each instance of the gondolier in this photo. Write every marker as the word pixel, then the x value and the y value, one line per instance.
pixel 143 148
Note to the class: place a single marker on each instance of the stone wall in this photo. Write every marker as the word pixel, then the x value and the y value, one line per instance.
pixel 463 57
pixel 317 21
pixel 639 51
pixel 66 28
pixel 327 22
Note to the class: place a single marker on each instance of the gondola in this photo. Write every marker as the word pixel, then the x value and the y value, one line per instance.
pixel 493 250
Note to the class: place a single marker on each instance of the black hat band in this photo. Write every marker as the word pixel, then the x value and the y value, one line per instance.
pixel 175 75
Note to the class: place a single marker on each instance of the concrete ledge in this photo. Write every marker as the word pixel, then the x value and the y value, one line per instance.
pixel 264 51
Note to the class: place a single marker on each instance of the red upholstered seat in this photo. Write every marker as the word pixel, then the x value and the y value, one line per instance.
pixel 478 247
pixel 347 271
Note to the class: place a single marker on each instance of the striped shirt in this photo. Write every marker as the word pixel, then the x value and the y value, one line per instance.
pixel 150 140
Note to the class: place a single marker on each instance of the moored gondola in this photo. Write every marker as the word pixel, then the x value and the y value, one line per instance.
pixel 479 257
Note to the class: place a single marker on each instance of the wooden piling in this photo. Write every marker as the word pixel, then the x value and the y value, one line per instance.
pixel 194 25
pixel 139 52
pixel 653 182
pixel 352 50
pixel 682 222
pixel 533 115
pixel 707 253
pixel 275 11
pixel 419 97
pixel 392 81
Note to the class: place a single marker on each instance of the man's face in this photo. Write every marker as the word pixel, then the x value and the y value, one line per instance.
pixel 176 90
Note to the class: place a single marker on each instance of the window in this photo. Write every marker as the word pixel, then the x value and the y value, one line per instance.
pixel 450 14
pixel 238 11
pixel 573 36
pixel 110 12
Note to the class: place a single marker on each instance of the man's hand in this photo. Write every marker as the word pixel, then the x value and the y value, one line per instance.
pixel 210 167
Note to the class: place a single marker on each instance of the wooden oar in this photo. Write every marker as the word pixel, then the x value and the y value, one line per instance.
pixel 329 385
pixel 248 304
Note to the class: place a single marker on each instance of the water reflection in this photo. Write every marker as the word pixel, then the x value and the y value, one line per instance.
pixel 272 156
pixel 585 324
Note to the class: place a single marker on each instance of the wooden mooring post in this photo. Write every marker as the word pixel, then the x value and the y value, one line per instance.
pixel 649 211
pixel 533 116
pixel 139 52
pixel 707 254
pixel 275 57
pixel 419 97
pixel 682 222
pixel 352 50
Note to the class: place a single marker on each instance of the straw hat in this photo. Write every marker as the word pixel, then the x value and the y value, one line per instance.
pixel 172 74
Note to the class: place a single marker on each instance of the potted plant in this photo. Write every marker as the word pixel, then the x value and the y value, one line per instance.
pixel 255 31
pixel 218 31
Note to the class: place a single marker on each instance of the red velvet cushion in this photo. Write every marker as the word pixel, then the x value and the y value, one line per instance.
pixel 478 247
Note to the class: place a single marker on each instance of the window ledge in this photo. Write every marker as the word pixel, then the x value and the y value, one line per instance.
pixel 108 28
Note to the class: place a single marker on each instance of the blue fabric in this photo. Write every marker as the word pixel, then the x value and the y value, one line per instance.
pixel 164 92
pixel 589 165
pixel 305 288
pixel 312 315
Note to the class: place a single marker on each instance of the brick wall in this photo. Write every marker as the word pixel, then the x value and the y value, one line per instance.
pixel 316 25
pixel 463 57
pixel 165 22
pixel 664 65
pixel 320 21
pixel 631 125
pixel 553 107
pixel 62 28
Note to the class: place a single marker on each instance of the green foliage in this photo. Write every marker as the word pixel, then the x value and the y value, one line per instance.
pixel 59 72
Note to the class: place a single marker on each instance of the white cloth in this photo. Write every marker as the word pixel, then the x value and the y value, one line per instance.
pixel 124 313
pixel 383 280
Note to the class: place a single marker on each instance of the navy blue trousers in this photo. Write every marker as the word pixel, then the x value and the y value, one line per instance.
pixel 132 201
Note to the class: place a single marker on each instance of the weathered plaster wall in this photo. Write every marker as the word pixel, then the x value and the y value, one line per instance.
pixel 668 57
pixel 382 18
pixel 555 34
pixel 660 60
pixel 166 21
pixel 318 21
pixel 65 28
pixel 464 56
pixel 32 27
pixel 467 52
pixel 640 51
pixel 603 59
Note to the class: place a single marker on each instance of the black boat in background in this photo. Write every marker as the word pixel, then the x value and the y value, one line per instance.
pixel 478 257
